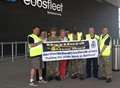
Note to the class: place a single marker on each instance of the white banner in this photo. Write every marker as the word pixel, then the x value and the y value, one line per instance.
pixel 70 50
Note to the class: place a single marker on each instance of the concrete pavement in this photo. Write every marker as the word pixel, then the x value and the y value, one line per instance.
pixel 16 75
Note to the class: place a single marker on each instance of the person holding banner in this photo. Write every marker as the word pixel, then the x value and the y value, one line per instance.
pixel 53 66
pixel 70 36
pixel 105 62
pixel 44 35
pixel 63 63
pixel 92 61
pixel 35 52
pixel 77 65
pixel 44 38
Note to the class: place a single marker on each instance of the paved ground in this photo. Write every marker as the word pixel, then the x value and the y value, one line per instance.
pixel 15 75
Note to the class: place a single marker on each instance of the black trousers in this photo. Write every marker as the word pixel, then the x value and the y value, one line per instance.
pixel 92 63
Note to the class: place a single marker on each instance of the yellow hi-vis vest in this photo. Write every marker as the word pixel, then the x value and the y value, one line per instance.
pixel 70 37
pixel 79 36
pixel 88 37
pixel 107 51
pixel 37 50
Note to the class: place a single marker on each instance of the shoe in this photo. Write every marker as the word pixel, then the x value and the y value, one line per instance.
pixel 102 78
pixel 108 80
pixel 42 81
pixel 74 76
pixel 58 78
pixel 33 84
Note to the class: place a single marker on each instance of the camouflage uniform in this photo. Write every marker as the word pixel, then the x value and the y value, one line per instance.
pixel 53 66
pixel 78 66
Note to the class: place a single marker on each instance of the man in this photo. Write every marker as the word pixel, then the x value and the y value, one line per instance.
pixel 35 51
pixel 77 65
pixel 43 36
pixel 92 61
pixel 70 36
pixel 53 67
pixel 105 53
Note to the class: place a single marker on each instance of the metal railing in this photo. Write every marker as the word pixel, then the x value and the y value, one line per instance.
pixel 13 49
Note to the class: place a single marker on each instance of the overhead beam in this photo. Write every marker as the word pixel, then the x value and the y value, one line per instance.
pixel 114 2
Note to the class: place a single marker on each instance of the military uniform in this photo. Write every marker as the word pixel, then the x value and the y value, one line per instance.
pixel 78 66
pixel 105 62
pixel 53 66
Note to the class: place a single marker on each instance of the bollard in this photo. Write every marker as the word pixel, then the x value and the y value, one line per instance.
pixel 116 58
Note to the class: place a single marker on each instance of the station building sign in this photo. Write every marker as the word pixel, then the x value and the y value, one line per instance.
pixel 53 7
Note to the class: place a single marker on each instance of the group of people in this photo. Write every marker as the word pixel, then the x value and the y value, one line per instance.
pixel 100 67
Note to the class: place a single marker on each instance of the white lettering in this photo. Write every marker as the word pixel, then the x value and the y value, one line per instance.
pixel 45 4
pixel 33 3
pixel 27 2
pixel 39 4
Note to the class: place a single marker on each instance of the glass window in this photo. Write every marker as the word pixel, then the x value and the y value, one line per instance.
pixel 119 22
pixel 119 17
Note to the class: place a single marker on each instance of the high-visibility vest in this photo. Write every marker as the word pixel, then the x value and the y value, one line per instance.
pixel 79 36
pixel 37 50
pixel 71 38
pixel 88 37
pixel 107 51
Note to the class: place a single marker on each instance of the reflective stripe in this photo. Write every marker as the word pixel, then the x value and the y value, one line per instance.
pixel 37 50
pixel 107 51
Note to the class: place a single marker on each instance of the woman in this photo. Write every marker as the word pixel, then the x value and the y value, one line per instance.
pixel 63 63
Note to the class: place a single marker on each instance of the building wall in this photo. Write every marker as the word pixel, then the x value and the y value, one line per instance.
pixel 16 20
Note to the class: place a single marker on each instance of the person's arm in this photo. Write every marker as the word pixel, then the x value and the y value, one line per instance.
pixel 35 44
pixel 31 42
pixel 107 42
